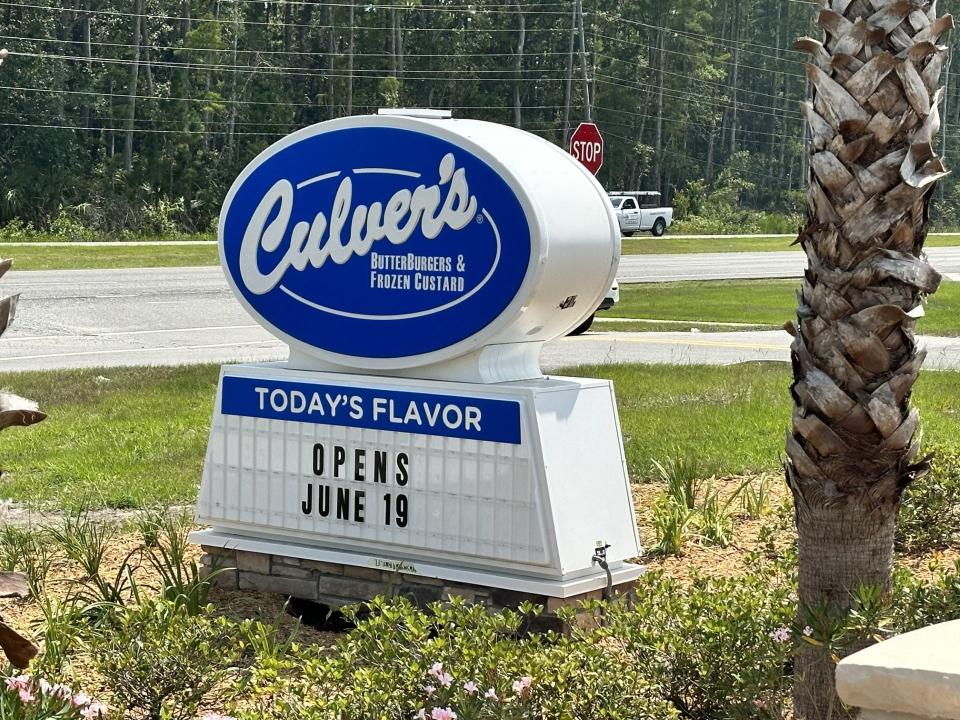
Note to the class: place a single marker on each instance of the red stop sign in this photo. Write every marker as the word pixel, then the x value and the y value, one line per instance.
pixel 586 145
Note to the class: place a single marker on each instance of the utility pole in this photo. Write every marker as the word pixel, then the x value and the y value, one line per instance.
pixel 583 62
pixel 569 78
pixel 132 91
pixel 350 63
pixel 658 169
pixel 945 115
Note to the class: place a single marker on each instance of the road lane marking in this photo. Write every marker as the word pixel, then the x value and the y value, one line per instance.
pixel 117 351
pixel 710 323
pixel 697 343
pixel 120 333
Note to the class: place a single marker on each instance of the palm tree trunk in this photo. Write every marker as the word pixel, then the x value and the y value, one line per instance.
pixel 853 447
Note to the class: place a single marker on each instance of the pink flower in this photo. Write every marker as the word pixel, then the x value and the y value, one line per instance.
pixel 421 715
pixel 430 690
pixel 491 694
pixel 45 687
pixel 470 687
pixel 95 710
pixel 780 635
pixel 808 631
pixel 81 699
pixel 65 692
pixel 443 714
pixel 436 671
pixel 16 683
pixel 26 696
pixel 522 686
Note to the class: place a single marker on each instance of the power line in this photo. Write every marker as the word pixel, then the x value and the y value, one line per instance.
pixel 606 16
pixel 695 57
pixel 188 49
pixel 226 101
pixel 226 21
pixel 407 74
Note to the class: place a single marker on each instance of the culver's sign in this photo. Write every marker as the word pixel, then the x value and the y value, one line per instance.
pixel 366 238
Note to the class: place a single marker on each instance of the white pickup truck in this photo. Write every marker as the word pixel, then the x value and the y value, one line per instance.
pixel 638 211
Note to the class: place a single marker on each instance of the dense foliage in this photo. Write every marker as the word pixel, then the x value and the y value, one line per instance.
pixel 145 638
pixel 136 115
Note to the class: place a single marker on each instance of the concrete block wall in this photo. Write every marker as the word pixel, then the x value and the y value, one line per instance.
pixel 336 585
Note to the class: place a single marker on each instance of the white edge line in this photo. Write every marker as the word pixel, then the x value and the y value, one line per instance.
pixel 118 351
pixel 119 333
pixel 318 178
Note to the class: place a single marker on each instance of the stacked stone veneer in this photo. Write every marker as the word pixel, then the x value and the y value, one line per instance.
pixel 336 585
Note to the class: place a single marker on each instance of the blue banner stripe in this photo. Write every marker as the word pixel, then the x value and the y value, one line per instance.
pixel 469 418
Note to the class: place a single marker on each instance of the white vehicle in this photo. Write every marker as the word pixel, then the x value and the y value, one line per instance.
pixel 611 299
pixel 640 211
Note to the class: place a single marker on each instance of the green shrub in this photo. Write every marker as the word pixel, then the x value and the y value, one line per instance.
pixel 17 231
pixel 918 603
pixel 930 512
pixel 70 227
pixel 401 660
pixel 161 662
pixel 716 648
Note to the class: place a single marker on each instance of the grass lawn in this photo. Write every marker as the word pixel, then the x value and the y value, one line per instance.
pixel 138 436
pixel 114 437
pixel 62 258
pixel 609 325
pixel 644 244
pixel 69 258
pixel 761 302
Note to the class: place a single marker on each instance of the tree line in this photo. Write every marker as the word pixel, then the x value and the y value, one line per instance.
pixel 131 114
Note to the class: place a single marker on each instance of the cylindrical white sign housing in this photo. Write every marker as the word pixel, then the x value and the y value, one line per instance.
pixel 391 242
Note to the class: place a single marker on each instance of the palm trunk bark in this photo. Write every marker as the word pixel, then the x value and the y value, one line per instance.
pixel 853 448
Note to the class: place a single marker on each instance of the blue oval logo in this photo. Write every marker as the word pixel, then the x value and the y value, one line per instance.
pixel 375 242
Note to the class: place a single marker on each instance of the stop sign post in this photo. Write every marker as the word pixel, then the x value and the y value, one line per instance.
pixel 586 145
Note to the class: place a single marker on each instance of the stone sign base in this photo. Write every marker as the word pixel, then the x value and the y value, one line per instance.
pixel 337 584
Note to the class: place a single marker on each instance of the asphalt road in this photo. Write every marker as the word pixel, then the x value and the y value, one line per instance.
pixel 747 265
pixel 159 316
